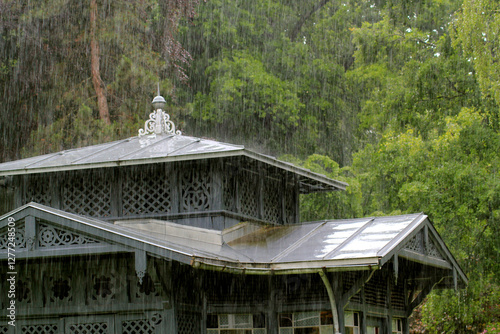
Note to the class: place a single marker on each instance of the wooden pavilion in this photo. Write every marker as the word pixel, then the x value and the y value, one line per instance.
pixel 166 233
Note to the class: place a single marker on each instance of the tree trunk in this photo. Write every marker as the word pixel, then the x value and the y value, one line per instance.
pixel 296 29
pixel 94 63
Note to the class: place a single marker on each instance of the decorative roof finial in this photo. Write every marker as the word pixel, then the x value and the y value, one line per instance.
pixel 159 121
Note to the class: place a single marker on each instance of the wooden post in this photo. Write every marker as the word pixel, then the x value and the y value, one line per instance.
pixel 363 311
pixel 261 193
pixel 116 193
pixel 272 314
pixel 283 197
pixel 55 191
pixel 296 199
pixel 19 190
pixel 217 198
pixel 389 303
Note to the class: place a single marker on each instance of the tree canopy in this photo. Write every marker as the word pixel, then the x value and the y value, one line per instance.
pixel 398 98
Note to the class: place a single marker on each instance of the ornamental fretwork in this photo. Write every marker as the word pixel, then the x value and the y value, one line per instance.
pixel 159 121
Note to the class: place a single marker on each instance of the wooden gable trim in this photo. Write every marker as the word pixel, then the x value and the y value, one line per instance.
pixel 431 243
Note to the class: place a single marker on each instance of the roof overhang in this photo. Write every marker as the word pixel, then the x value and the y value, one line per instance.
pixel 293 249
pixel 161 149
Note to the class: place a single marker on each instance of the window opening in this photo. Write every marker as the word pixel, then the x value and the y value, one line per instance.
pixel 306 322
pixel 397 326
pixel 236 324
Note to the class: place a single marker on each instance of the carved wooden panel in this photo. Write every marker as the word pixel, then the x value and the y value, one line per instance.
pixel 248 187
pixel 37 189
pixel 50 236
pixel 272 200
pixel 416 244
pixel 89 328
pixel 289 205
pixel 20 241
pixel 188 322
pixel 433 251
pixel 87 194
pixel 40 329
pixel 229 192
pixel 137 326
pixel 196 188
pixel 146 191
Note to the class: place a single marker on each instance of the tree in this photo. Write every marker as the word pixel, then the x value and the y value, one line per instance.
pixel 61 56
pixel 477 30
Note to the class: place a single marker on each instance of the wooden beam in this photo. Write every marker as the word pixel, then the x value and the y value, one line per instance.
pixel 425 291
pixel 63 252
pixel 356 287
pixel 419 258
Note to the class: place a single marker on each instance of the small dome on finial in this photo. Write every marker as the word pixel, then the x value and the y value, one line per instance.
pixel 159 102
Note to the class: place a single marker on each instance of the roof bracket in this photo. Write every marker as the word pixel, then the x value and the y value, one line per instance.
pixel 140 264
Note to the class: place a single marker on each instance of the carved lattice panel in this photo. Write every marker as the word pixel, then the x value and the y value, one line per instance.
pixel 289 206
pixel 432 250
pixel 249 194
pixel 87 194
pixel 24 291
pixel 229 193
pixel 20 241
pixel 89 328
pixel 38 190
pixel 137 327
pixel 196 189
pixel 146 192
pixel 272 203
pixel 60 289
pixel 416 244
pixel 40 329
pixel 188 322
pixel 49 236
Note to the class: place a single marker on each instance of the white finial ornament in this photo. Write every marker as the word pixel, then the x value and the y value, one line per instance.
pixel 159 121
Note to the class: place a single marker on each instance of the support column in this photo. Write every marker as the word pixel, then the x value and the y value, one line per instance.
pixel 337 310
pixel 272 313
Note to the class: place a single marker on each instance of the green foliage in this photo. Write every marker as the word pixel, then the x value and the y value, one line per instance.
pixel 475 309
pixel 338 204
pixel 477 30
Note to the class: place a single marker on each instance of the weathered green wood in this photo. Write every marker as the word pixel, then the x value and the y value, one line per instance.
pixel 55 188
pixel 30 232
pixel 396 268
pixel 282 197
pixel 363 317
pixel 140 264
pixel 18 182
pixel 419 258
pixel 116 192
pixel 296 198
pixel 388 303
pixel 426 238
pixel 272 313
pixel 217 200
pixel 260 193
pixel 66 251
pixel 356 287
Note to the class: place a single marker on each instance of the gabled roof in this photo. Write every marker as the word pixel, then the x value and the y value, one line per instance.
pixel 334 245
pixel 154 149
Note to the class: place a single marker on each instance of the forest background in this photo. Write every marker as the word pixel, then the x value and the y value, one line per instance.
pixel 399 98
